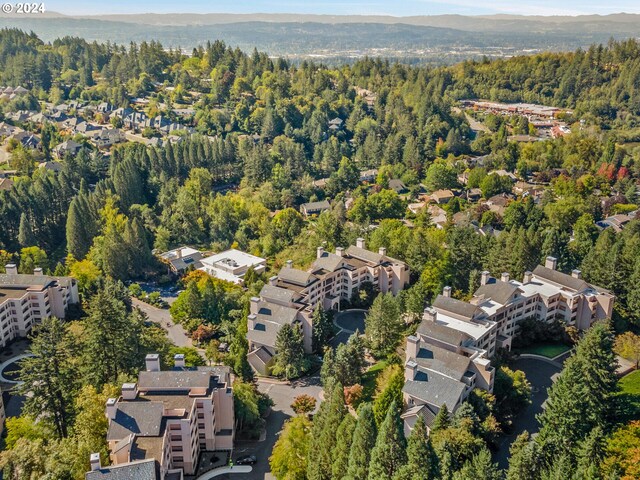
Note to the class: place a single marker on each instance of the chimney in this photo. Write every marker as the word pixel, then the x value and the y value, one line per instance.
pixel 360 243
pixel 382 251
pixel 273 280
pixel 11 268
pixel 446 292
pixel 37 271
pixel 179 252
pixel 252 321
pixel 178 360
pixel 484 277
pixel 112 407
pixel 505 276
pixel 94 462
pixel 410 369
pixel 528 276
pixel 320 252
pixel 253 305
pixel 340 251
pixel 551 262
pixel 129 391
pixel 576 274
pixel 430 314
pixel 413 343
pixel 152 361
pixel 289 263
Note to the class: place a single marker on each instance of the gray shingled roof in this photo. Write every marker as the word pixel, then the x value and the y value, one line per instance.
pixel 435 389
pixel 271 317
pixel 172 380
pixel 423 411
pixel 441 360
pixel 365 254
pixel 295 276
pixel 23 280
pixel 139 418
pixel 270 292
pixel 498 291
pixel 315 206
pixel 560 278
pixel 328 261
pixel 442 333
pixel 143 470
pixel 456 306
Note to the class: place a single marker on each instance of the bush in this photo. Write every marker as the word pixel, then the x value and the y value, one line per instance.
pixel 534 331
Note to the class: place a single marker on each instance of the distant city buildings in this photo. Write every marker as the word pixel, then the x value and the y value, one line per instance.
pixel 292 295
pixel 25 300
pixel 159 426
pixel 450 353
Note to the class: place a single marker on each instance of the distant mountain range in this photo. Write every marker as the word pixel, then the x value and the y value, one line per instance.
pixel 440 38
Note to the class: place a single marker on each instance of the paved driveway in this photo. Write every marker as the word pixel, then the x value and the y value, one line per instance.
pixel 539 373
pixel 350 320
pixel 282 396
pixel 162 317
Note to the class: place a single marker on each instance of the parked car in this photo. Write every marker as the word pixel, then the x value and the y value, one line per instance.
pixel 246 460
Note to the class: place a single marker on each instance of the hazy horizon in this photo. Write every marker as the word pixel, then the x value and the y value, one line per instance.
pixel 336 7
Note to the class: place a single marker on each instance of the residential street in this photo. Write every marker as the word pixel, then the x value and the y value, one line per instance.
pixel 162 317
pixel 282 396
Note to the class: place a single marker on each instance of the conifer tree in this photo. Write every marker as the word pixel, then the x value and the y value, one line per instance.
pixel 391 395
pixel 340 454
pixel 323 440
pixel 389 453
pixel 480 467
pixel 422 461
pixel 524 460
pixel 289 361
pixel 364 439
pixel 442 419
pixel 26 237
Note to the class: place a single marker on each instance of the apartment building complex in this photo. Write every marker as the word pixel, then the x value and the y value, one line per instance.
pixel 293 294
pixel 25 300
pixel 450 354
pixel 166 419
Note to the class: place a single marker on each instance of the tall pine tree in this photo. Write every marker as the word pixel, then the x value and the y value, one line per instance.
pixel 389 453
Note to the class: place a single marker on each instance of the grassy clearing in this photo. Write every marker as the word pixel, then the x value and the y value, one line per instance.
pixel 550 350
pixel 369 380
pixel 631 383
pixel 630 396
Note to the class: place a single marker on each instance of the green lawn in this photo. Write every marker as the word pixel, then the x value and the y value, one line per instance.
pixel 630 396
pixel 369 380
pixel 549 350
pixel 631 383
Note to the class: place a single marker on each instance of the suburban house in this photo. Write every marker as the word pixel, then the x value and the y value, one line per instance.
pixel 181 258
pixel 232 265
pixel 315 208
pixel 25 300
pixel 442 196
pixel 449 354
pixel 293 294
pixel 159 426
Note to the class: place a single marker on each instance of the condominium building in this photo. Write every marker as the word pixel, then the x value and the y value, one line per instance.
pixel 232 265
pixel 450 353
pixel 167 418
pixel 293 294
pixel 25 300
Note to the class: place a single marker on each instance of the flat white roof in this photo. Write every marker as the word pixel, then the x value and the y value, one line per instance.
pixel 173 254
pixel 241 259
pixel 473 329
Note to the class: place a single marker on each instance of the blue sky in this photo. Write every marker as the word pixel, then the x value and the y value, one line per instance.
pixel 347 7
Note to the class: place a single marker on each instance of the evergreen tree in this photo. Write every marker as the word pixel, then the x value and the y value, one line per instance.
pixel 480 467
pixel 383 325
pixel 582 397
pixel 323 440
pixel 290 360
pixel 525 459
pixel 422 461
pixel 78 241
pixel 442 419
pixel 26 237
pixel 590 455
pixel 391 395
pixel 49 376
pixel 364 439
pixel 322 328
pixel 389 453
pixel 342 448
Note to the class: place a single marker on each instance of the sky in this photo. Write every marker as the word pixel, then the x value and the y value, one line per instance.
pixel 346 7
